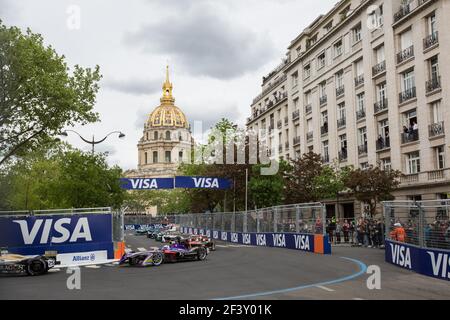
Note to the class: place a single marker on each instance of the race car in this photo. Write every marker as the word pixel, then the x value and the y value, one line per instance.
pixel 153 257
pixel 15 264
pixel 142 231
pixel 204 240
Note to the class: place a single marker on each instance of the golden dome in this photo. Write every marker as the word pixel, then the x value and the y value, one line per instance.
pixel 167 114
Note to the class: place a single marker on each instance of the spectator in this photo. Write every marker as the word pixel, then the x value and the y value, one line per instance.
pixel 345 230
pixel 398 234
pixel 338 232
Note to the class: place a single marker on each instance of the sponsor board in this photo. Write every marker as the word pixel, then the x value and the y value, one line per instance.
pixel 177 182
pixel 430 262
pixel 302 242
pixel 82 258
pixel 61 233
pixel 133 227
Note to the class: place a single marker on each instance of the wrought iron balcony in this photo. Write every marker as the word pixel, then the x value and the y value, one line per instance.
pixel 359 80
pixel 410 136
pixel 433 84
pixel 405 54
pixel 437 129
pixel 323 99
pixel 379 68
pixel 296 141
pixel 360 114
pixel 383 143
pixel 308 109
pixel 296 115
pixel 380 106
pixel 362 149
pixel 407 94
pixel 431 40
pixel 341 123
pixel 324 130
pixel 405 9
pixel 340 91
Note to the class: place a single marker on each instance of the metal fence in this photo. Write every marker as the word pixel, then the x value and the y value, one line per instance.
pixel 300 218
pixel 426 223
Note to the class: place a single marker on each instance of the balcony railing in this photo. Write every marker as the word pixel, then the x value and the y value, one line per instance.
pixel 405 54
pixel 341 123
pixel 379 68
pixel 308 109
pixel 410 136
pixel 359 80
pixel 340 91
pixel 433 84
pixel 383 143
pixel 405 9
pixel 380 106
pixel 431 40
pixel 360 114
pixel 323 99
pixel 309 136
pixel 436 175
pixel 296 115
pixel 437 129
pixel 362 149
pixel 407 95
pixel 270 87
pixel 343 155
pixel 410 178
pixel 296 141
pixel 324 129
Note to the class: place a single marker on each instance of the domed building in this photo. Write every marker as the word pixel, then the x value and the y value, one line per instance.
pixel 166 140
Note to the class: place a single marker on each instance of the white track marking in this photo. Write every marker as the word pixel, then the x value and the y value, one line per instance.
pixel 93 267
pixel 142 249
pixel 326 289
pixel 54 270
pixel 357 299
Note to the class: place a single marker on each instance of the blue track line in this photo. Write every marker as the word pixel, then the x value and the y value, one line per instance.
pixel 362 269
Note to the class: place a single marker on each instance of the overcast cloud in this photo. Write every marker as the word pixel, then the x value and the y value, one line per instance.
pixel 218 52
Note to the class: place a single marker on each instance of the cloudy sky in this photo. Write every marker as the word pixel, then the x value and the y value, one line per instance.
pixel 218 52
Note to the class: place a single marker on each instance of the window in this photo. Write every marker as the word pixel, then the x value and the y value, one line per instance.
pixel 436 112
pixel 308 98
pixel 359 68
pixel 364 166
pixel 155 156
pixel 440 157
pixel 322 89
pixel 434 68
pixel 408 81
pixel 376 18
pixel 296 103
pixel 410 119
pixel 294 78
pixel 362 136
pixel 380 54
pixel 337 48
pixel 339 78
pixel 309 125
pixel 341 111
pixel 325 151
pixel 307 71
pixel 432 24
pixel 343 143
pixel 383 129
pixel 381 92
pixel 321 61
pixel 324 119
pixel 180 156
pixel 356 33
pixel 386 164
pixel 168 157
pixel 406 39
pixel 328 26
pixel 146 158
pixel 168 135
pixel 413 162
pixel 360 102
pixel 155 135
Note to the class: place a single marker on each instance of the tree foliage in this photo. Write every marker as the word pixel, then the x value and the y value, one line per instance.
pixel 39 96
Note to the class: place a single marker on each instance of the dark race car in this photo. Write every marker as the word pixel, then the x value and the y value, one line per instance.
pixel 14 264
pixel 153 257
pixel 204 240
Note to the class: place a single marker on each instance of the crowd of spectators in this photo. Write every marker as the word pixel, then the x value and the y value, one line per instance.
pixel 358 232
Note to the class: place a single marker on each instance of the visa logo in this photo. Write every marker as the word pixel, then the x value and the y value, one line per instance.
pixel 302 242
pixel 234 237
pixel 279 240
pixel 216 234
pixel 246 239
pixel 144 183
pixel 206 183
pixel 261 240
pixel 81 230
pixel 401 256
pixel 440 264
pixel 208 233
pixel 224 236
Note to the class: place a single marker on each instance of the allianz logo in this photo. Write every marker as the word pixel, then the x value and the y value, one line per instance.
pixel 83 258
pixel 59 228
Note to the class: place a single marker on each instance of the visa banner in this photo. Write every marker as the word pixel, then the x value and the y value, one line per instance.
pixel 177 182
pixel 147 183
pixel 202 183
pixel 62 233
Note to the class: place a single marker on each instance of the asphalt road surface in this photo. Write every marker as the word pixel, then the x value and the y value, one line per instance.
pixel 236 272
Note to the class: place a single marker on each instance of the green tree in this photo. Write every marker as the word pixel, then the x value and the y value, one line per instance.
pixel 39 96
pixel 330 182
pixel 373 185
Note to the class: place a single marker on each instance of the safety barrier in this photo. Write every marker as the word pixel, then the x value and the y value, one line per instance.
pixel 418 236
pixel 79 236
pixel 299 227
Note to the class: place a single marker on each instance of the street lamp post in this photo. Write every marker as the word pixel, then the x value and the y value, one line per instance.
pixel 93 142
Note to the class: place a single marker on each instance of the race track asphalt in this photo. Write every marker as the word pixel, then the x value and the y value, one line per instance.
pixel 236 272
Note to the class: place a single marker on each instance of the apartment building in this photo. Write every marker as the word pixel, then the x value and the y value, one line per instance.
pixel 365 84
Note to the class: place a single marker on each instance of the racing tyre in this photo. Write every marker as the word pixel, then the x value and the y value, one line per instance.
pixel 157 258
pixel 134 261
pixel 202 253
pixel 37 267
